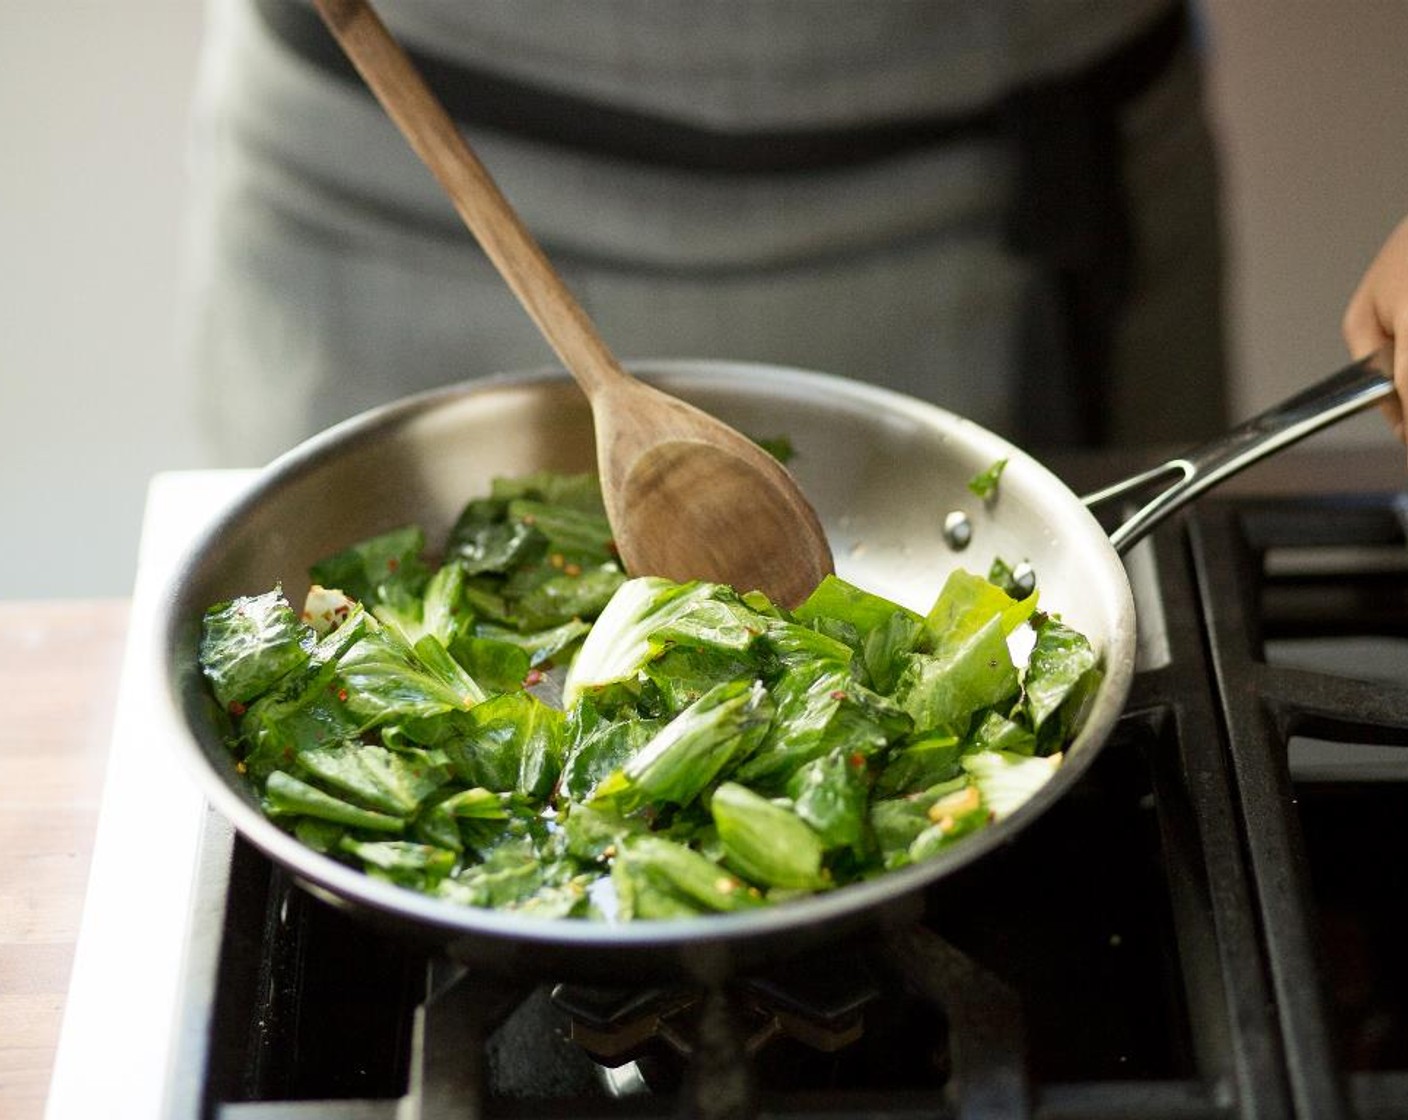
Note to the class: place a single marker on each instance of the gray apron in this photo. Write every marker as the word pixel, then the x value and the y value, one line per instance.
pixel 1007 213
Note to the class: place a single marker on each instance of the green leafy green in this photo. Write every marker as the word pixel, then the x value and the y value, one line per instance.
pixel 248 644
pixel 386 574
pixel 512 742
pixel 952 816
pixel 690 751
pixel 932 758
pixel 306 708
pixel 765 842
pixel 623 639
pixel 484 540
pixel 834 598
pixel 388 781
pixel 821 708
pixel 968 603
pixel 285 794
pixel 418 866
pixel 830 794
pixel 995 732
pixel 1007 781
pixel 439 822
pixel 710 750
pixel 600 746
pixel 984 483
pixel 663 878
pixel 945 690
pixel 779 447
pixel 385 681
pixel 1061 673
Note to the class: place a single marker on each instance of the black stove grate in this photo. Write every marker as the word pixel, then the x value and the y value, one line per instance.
pixel 1167 941
pixel 1300 572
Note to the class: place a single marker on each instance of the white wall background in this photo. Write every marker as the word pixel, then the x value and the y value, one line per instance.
pixel 1311 100
pixel 93 98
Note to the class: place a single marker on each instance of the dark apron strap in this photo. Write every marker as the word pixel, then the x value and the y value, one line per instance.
pixel 1071 218
pixel 480 98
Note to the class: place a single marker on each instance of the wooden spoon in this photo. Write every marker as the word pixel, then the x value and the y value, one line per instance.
pixel 688 497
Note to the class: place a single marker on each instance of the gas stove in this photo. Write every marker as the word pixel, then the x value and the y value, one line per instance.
pixel 1211 924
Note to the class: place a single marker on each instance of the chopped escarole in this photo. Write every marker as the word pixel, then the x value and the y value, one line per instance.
pixel 517 723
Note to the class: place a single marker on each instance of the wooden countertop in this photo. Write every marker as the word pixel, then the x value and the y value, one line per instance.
pixel 59 667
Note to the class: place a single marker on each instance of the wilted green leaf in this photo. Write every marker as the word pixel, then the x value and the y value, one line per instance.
pixel 694 748
pixel 287 795
pixel 943 691
pixel 248 644
pixel 766 843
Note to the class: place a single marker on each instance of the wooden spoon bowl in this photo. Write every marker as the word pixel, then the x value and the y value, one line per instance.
pixel 688 497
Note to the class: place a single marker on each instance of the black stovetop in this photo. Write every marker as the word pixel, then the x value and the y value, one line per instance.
pixel 1214 922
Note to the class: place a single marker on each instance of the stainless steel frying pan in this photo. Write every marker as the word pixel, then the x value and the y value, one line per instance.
pixel 883 471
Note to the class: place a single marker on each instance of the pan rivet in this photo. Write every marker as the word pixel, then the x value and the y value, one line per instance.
pixel 958 530
pixel 1024 579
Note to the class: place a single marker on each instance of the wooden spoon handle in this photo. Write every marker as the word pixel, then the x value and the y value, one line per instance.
pixel 433 135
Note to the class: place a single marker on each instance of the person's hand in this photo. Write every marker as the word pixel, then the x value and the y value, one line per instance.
pixel 1377 315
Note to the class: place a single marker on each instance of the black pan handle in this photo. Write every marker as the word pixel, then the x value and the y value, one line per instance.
pixel 1342 394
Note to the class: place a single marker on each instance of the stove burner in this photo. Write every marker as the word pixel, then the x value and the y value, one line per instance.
pixel 822 1009
pixel 612 1024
